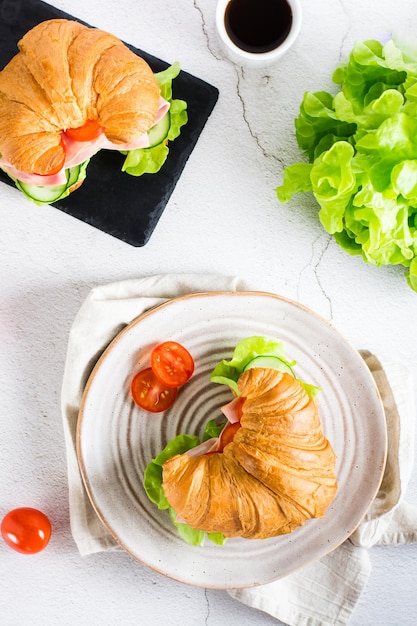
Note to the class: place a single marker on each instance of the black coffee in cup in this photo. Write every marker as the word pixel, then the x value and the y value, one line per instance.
pixel 258 26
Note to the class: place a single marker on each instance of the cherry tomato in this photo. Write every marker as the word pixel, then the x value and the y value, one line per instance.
pixel 228 434
pixel 26 530
pixel 90 130
pixel 172 363
pixel 150 394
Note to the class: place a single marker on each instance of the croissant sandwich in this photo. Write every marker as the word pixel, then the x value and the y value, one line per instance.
pixel 71 91
pixel 271 468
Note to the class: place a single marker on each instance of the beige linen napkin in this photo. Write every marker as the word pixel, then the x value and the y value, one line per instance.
pixel 323 593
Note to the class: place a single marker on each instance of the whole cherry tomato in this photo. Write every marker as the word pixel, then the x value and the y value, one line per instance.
pixel 26 530
pixel 172 363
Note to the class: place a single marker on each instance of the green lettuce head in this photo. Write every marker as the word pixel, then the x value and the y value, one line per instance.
pixel 361 156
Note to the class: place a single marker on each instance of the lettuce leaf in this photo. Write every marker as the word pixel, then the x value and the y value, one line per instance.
pixel 165 78
pixel 228 372
pixel 152 478
pixel 360 146
pixel 213 429
pixel 145 160
pixel 150 160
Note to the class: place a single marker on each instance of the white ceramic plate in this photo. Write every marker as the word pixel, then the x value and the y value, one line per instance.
pixel 116 440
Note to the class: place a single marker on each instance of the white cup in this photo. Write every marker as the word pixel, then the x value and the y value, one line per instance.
pixel 249 58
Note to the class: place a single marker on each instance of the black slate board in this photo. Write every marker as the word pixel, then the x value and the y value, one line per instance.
pixel 124 206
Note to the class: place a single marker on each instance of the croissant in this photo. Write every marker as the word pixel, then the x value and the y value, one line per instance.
pixel 64 75
pixel 277 473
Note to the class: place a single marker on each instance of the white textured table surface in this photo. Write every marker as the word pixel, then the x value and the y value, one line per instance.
pixel 222 218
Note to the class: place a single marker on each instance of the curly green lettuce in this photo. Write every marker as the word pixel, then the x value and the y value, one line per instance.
pixel 361 151
pixel 248 353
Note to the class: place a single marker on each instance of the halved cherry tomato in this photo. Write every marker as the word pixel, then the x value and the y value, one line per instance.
pixel 172 363
pixel 150 394
pixel 228 434
pixel 88 131
pixel 26 530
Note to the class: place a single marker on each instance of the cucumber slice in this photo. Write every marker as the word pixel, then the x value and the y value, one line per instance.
pixel 269 362
pixel 48 194
pixel 158 133
pixel 72 175
pixel 42 195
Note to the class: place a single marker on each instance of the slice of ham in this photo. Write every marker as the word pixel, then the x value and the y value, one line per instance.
pixel 211 445
pixel 79 151
pixel 233 410
pixel 34 179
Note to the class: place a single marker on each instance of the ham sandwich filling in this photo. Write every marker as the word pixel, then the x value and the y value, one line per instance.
pixel 77 152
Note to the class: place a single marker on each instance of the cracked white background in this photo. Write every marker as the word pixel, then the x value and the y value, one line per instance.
pixel 223 217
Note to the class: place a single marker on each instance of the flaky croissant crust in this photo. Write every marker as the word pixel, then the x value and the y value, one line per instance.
pixel 65 74
pixel 278 472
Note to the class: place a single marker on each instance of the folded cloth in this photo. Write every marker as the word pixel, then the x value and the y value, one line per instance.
pixel 323 593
